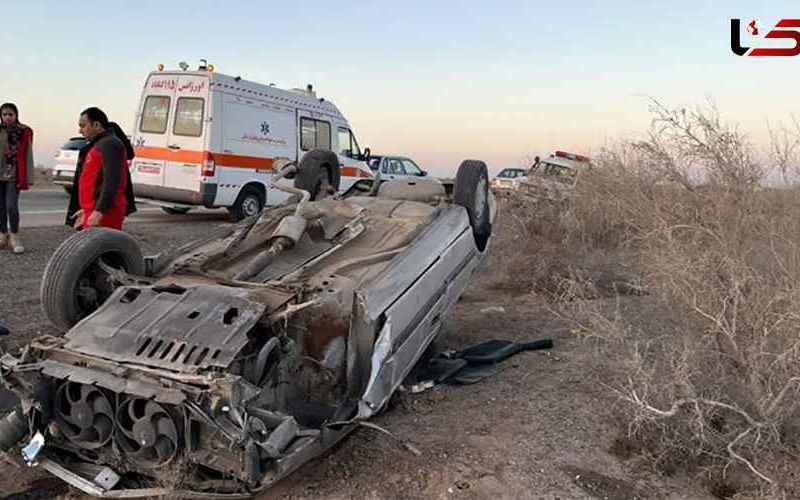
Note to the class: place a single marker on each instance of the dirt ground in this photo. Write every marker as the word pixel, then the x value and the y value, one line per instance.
pixel 542 428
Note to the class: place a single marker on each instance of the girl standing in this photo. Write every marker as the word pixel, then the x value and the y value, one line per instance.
pixel 16 173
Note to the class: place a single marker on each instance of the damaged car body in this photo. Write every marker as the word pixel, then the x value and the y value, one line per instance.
pixel 216 370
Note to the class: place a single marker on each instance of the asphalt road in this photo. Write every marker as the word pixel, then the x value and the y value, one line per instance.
pixel 47 207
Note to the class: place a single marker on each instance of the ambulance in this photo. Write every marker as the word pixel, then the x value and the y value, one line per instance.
pixel 207 139
pixel 562 163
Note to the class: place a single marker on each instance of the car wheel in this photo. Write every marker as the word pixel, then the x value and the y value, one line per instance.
pixel 176 210
pixel 74 283
pixel 317 170
pixel 68 190
pixel 249 203
pixel 472 193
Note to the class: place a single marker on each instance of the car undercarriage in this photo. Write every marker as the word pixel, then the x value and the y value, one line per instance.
pixel 217 369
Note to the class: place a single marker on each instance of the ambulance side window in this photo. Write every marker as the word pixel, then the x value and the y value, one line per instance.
pixel 155 114
pixel 308 134
pixel 347 144
pixel 323 135
pixel 189 116
pixel 345 149
pixel 314 134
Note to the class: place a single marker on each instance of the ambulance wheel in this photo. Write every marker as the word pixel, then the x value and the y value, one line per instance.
pixel 76 281
pixel 249 203
pixel 318 172
pixel 472 193
pixel 176 210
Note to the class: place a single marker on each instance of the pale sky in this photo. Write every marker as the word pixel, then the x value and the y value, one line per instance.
pixel 437 81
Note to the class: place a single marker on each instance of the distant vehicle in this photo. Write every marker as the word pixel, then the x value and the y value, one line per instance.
pixel 207 139
pixel 509 178
pixel 395 167
pixel 561 164
pixel 66 159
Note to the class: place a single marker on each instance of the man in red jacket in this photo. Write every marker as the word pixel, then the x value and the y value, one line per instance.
pixel 103 183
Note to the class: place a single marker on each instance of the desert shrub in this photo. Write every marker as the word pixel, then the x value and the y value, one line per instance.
pixel 686 211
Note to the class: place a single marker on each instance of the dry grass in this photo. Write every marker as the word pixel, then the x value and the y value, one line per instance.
pixel 717 389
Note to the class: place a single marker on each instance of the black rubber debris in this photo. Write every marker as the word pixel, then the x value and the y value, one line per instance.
pixel 470 365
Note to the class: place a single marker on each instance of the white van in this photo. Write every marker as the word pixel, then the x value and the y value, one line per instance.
pixel 208 139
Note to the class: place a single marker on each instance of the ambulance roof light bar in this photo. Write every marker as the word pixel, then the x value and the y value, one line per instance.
pixel 570 156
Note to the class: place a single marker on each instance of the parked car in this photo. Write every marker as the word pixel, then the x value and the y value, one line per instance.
pixel 395 167
pixel 66 159
pixel 508 178
pixel 234 360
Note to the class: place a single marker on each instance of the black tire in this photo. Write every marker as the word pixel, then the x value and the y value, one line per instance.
pixel 72 274
pixel 250 202
pixel 318 167
pixel 176 210
pixel 68 190
pixel 472 193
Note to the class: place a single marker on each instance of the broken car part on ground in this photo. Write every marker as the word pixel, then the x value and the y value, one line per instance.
pixel 215 370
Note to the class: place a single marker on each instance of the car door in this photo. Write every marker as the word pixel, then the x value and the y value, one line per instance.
pixel 392 168
pixel 187 134
pixel 351 161
pixel 151 135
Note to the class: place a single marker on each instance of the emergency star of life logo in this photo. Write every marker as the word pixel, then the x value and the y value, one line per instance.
pixel 788 29
pixel 264 128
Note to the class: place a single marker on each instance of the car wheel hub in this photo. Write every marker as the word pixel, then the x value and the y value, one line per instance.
pixel 250 206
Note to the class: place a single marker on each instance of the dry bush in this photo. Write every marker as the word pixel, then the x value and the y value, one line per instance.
pixel 718 385
pixel 545 248
pixel 532 239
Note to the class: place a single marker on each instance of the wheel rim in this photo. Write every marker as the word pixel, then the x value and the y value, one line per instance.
pixel 322 186
pixel 480 198
pixel 94 286
pixel 251 206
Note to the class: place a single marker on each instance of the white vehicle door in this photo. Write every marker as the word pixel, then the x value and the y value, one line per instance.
pixel 186 139
pixel 392 168
pixel 350 160
pixel 151 135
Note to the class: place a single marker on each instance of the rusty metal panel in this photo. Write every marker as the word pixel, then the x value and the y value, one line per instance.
pixel 180 329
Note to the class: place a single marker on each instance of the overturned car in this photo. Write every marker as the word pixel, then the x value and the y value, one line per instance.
pixel 217 369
